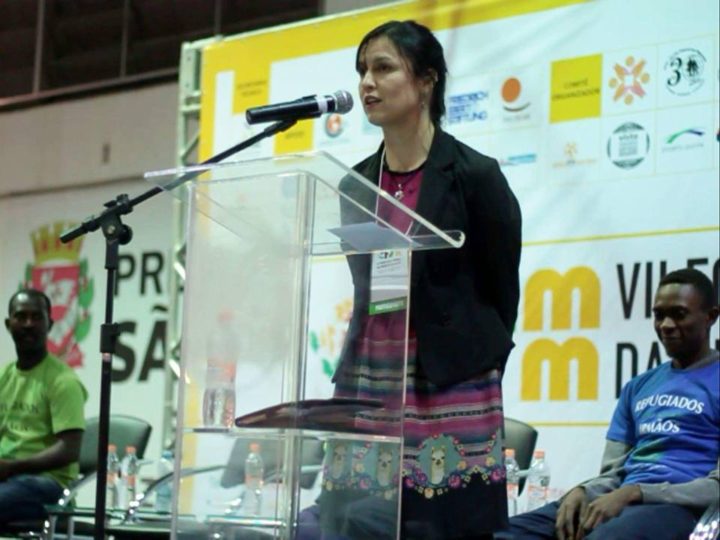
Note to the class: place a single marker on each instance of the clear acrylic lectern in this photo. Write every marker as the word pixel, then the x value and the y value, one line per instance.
pixel 268 285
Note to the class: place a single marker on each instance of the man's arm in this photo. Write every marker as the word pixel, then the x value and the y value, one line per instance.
pixel 698 493
pixel 612 470
pixel 64 451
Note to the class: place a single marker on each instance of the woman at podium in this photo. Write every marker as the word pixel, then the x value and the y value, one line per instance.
pixel 463 305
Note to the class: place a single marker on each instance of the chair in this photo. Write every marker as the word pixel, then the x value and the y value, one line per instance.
pixel 522 438
pixel 708 526
pixel 124 431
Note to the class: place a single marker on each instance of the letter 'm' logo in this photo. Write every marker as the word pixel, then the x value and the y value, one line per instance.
pixel 561 287
pixel 560 356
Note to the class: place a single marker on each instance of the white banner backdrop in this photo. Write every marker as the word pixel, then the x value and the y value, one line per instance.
pixel 604 117
pixel 74 277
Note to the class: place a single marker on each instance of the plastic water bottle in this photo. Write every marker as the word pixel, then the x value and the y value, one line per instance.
pixel 129 470
pixel 219 397
pixel 254 480
pixel 538 481
pixel 163 494
pixel 113 477
pixel 512 481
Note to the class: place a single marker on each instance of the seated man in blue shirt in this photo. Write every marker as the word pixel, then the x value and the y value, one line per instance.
pixel 660 466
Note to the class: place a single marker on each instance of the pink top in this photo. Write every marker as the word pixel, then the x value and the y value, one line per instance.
pixel 407 185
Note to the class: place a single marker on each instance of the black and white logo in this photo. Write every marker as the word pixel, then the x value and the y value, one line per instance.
pixel 684 71
pixel 628 145
pixel 468 107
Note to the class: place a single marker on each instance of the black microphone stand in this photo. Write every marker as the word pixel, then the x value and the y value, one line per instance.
pixel 117 234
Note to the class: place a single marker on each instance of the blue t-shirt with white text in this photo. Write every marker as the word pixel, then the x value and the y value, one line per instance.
pixel 671 418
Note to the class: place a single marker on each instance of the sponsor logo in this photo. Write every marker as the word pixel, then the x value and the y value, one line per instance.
pixel 691 131
pixel 571 153
pixel 334 125
pixel 561 288
pixel 685 139
pixel 629 80
pixel 467 108
pixel 559 356
pixel 684 71
pixel 60 273
pixel 575 88
pixel 580 286
pixel 510 92
pixel 518 159
pixel 628 145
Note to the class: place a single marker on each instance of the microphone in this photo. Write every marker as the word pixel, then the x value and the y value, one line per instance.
pixel 306 107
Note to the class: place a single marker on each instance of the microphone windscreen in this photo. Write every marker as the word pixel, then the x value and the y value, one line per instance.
pixel 343 101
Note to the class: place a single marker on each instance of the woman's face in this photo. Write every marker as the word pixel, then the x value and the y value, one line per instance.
pixel 390 93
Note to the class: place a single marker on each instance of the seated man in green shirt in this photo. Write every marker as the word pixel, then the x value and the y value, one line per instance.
pixel 41 414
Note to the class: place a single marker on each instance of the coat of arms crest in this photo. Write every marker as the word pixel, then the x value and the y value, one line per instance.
pixel 60 273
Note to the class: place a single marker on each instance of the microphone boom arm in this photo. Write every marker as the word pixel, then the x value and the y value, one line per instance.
pixel 123 205
pixel 116 234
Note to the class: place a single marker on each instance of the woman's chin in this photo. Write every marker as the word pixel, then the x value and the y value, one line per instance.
pixel 374 119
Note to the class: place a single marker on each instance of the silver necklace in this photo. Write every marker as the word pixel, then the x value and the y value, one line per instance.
pixel 399 193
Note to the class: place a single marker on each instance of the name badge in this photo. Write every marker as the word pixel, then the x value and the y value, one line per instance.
pixel 389 281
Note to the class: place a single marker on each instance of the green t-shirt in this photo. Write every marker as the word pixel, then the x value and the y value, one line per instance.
pixel 36 404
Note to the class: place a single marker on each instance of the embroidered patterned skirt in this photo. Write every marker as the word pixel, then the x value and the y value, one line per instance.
pixel 452 469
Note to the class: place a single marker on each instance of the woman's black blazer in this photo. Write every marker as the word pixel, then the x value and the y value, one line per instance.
pixel 463 302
